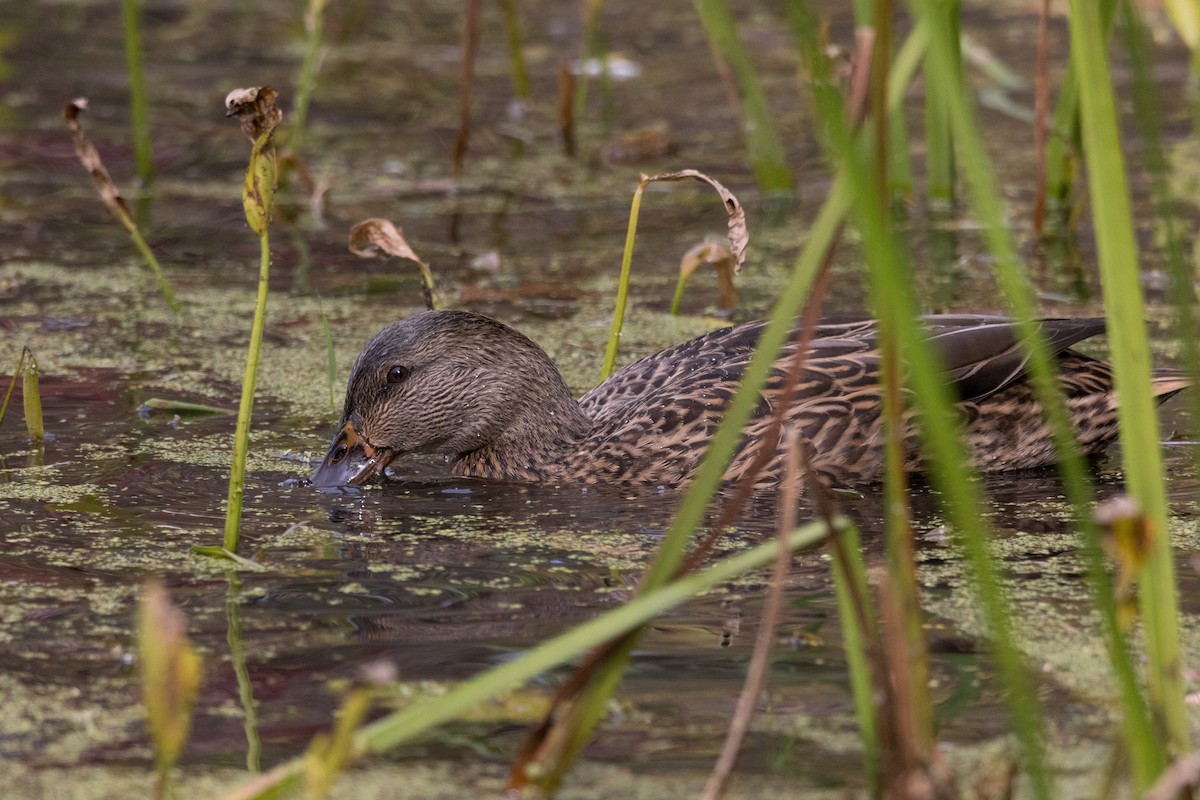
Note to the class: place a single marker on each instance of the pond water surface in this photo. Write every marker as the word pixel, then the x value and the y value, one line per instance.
pixel 445 577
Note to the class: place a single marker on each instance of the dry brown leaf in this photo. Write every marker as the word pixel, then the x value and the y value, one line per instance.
pixel 259 116
pixel 255 109
pixel 90 158
pixel 739 236
pixel 372 236
pixel 718 256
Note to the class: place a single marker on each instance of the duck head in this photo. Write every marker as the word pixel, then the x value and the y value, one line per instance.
pixel 449 382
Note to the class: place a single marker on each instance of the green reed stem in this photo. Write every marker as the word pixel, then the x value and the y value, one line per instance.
pixel 138 105
pixel 939 141
pixel 1137 413
pixel 850 585
pixel 986 200
pixel 241 440
pixel 1149 118
pixel 614 332
pixel 1062 148
pixel 763 145
pixel 516 50
pixel 314 26
pixel 891 287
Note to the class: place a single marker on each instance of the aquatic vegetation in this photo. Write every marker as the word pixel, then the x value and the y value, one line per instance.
pixel 89 157
pixel 259 116
pixel 27 369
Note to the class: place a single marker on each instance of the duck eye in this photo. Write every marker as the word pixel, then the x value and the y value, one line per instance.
pixel 397 374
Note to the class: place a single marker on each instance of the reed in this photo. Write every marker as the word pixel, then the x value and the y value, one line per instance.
pixel 314 26
pixel 259 117
pixel 763 145
pixel 139 106
pixel 31 399
pixel 1137 412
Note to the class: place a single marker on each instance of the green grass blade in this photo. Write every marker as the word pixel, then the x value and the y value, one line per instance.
pixel 986 200
pixel 763 145
pixel 314 25
pixel 614 333
pixel 1137 412
pixel 850 580
pixel 892 291
pixel 939 142
pixel 1062 147
pixel 1149 117
pixel 516 51
pixel 138 105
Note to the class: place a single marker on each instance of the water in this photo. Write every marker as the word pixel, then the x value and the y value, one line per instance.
pixel 443 577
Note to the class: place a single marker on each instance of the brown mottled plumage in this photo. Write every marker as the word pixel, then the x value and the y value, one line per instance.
pixel 459 383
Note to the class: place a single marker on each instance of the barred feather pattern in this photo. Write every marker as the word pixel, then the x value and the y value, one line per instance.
pixel 650 423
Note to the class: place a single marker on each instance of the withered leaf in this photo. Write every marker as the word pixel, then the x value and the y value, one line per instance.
pixel 259 117
pixel 373 236
pixel 90 158
pixel 739 236
pixel 718 256
pixel 255 109
pixel 1128 536
pixel 111 195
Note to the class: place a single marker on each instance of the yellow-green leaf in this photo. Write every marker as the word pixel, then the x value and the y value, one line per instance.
pixel 170 669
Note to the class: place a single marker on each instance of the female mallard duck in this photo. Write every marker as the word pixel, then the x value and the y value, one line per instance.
pixel 459 383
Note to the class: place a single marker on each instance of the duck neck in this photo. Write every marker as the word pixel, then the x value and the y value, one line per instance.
pixel 544 429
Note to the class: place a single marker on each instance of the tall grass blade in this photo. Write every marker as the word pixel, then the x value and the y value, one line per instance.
pixel 516 50
pixel 1179 268
pixel 314 25
pixel 939 141
pixel 1137 412
pixel 892 293
pixel 985 197
pixel 139 106
pixel 1062 148
pixel 763 146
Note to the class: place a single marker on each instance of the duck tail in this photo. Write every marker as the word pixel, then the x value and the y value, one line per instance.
pixel 1169 382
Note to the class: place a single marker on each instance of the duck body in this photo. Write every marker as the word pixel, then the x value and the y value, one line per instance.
pixel 459 383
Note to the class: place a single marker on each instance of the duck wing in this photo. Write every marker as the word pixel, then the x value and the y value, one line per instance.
pixel 983 355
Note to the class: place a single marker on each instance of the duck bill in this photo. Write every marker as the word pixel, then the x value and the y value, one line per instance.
pixel 350 460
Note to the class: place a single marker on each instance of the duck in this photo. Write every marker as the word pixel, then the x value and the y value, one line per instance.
pixel 461 384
